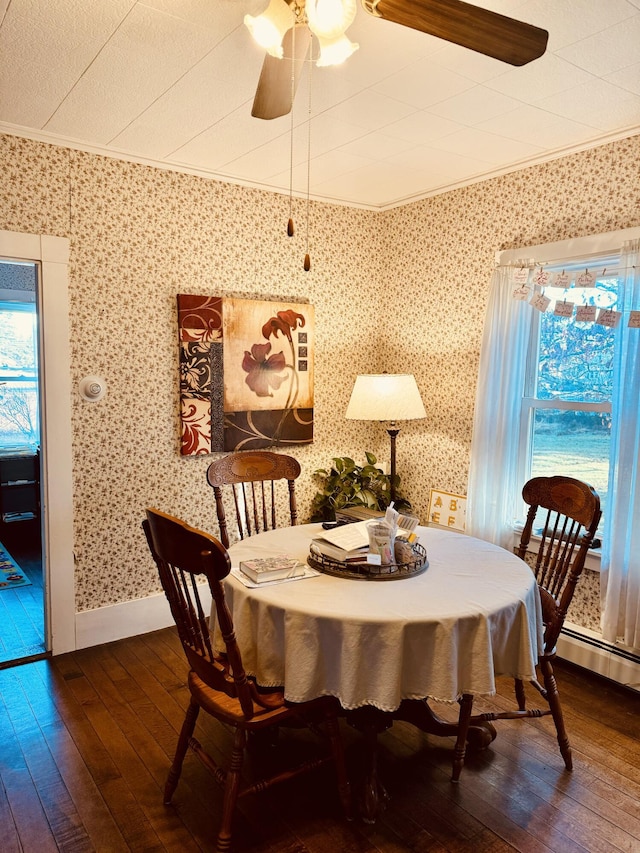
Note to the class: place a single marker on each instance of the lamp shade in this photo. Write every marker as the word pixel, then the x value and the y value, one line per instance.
pixel 385 397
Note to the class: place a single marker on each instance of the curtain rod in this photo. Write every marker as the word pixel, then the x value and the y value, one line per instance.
pixel 606 244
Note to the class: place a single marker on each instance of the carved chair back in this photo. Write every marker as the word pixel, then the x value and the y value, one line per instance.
pixel 569 513
pixel 251 477
pixel 183 555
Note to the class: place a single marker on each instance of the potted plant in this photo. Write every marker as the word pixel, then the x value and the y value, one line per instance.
pixel 348 484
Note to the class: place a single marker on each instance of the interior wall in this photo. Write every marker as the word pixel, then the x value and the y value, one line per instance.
pixel 138 237
pixel 441 255
pixel 403 291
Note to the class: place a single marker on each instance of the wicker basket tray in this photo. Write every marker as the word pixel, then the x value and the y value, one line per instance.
pixel 369 572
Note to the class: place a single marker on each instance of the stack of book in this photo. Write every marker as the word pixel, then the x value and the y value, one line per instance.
pixel 349 543
pixel 336 552
pixel 263 569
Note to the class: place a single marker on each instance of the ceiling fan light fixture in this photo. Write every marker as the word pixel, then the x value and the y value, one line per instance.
pixel 335 51
pixel 328 21
pixel 330 18
pixel 268 29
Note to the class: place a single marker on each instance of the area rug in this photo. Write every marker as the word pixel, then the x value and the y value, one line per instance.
pixel 11 575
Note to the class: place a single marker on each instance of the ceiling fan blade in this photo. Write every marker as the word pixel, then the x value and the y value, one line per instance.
pixel 470 26
pixel 275 92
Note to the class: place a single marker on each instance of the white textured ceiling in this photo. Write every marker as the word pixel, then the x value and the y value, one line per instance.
pixel 171 82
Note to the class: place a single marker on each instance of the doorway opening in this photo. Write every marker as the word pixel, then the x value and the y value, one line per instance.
pixel 23 634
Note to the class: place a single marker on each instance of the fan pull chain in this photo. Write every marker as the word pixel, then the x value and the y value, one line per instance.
pixel 70 193
pixel 290 227
pixel 307 257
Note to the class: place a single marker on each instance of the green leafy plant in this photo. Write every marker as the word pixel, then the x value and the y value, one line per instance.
pixel 347 484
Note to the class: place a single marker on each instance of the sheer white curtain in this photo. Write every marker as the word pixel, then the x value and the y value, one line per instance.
pixel 493 471
pixel 620 575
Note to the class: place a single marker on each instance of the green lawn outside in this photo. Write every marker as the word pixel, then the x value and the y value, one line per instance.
pixel 584 455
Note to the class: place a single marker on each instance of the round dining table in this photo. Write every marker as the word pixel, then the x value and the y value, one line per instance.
pixel 474 613
pixel 385 648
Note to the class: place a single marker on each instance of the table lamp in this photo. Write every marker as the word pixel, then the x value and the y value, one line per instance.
pixel 388 397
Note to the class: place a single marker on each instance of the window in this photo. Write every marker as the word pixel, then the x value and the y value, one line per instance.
pixel 565 396
pixel 565 425
pixel 19 418
pixel 549 386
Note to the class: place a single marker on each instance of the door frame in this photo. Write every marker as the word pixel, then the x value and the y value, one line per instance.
pixel 52 254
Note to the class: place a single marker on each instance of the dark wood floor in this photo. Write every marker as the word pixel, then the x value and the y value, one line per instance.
pixel 22 632
pixel 87 736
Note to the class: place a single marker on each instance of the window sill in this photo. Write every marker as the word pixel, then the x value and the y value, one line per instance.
pixel 593 557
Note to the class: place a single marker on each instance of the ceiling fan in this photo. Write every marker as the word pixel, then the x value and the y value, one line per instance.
pixel 294 21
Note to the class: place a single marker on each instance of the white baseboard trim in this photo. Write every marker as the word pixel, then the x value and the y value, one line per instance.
pixel 127 619
pixel 587 649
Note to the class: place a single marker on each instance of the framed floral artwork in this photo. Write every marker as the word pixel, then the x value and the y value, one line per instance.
pixel 246 373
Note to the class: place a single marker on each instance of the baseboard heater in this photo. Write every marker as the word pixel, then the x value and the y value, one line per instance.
pixel 587 649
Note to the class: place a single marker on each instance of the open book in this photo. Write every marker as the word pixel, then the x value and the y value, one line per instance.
pixel 348 537
pixel 349 541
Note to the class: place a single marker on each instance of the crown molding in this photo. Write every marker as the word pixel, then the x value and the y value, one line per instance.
pixel 116 154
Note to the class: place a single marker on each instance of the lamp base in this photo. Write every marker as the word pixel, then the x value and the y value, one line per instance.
pixel 393 431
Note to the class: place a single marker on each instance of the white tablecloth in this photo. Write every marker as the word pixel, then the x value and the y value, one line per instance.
pixel 473 614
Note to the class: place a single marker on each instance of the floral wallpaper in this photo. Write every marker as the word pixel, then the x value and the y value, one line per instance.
pixel 140 236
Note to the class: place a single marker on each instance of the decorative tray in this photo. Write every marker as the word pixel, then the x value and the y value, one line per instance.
pixel 368 571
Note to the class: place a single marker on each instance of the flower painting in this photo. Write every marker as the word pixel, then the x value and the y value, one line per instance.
pixel 246 373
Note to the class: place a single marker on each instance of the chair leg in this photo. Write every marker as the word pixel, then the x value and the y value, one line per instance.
pixel 181 750
pixel 520 697
pixel 466 706
pixel 553 698
pixel 337 750
pixel 231 787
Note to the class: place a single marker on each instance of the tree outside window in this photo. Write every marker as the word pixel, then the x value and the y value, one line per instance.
pixel 567 401
pixel 19 418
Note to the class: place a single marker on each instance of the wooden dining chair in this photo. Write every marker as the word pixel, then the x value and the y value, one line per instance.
pixel 218 683
pixel 563 517
pixel 251 476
